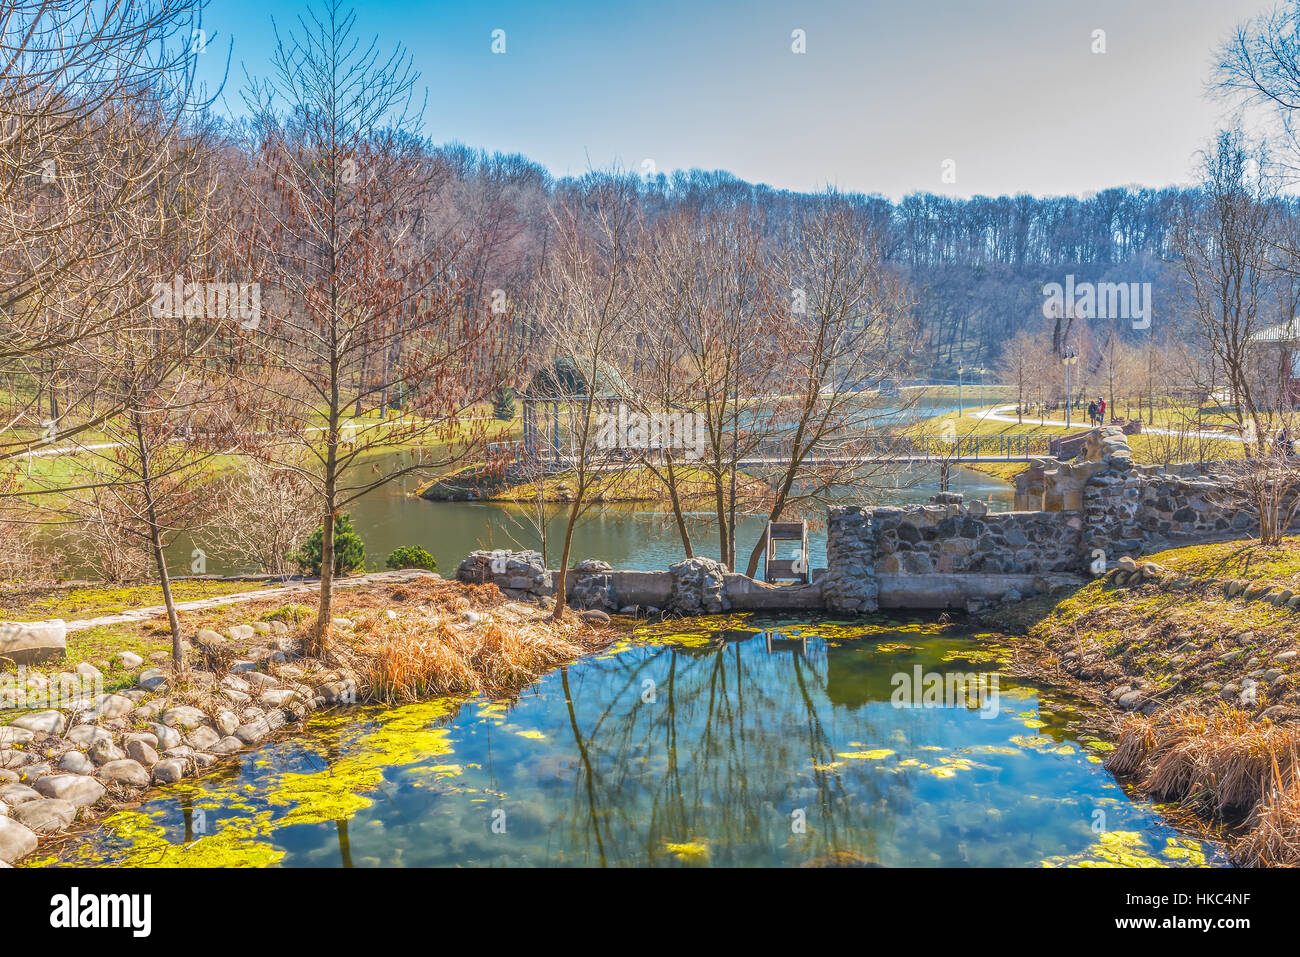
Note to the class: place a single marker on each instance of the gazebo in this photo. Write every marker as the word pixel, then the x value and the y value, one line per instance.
pixel 1286 338
pixel 550 399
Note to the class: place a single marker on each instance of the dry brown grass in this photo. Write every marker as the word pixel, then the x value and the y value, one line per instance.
pixel 1231 767
pixel 408 653
pixel 1274 838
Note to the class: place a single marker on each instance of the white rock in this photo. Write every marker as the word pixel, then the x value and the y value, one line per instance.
pixel 89 671
pixel 241 633
pixel 46 816
pixel 15 794
pixel 152 679
pixel 170 770
pixel 148 737
pixel 74 762
pixel 167 737
pixel 142 752
pixel 102 752
pixel 226 723
pixel 16 840
pixel 10 735
pixel 125 771
pixel 200 739
pixel 51 722
pixel 129 660
pixel 25 643
pixel 254 731
pixel 184 717
pixel 31 773
pixel 80 789
pixel 277 698
pixel 111 706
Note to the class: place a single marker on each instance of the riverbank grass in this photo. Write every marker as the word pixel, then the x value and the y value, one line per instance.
pixel 1198 650
pixel 447 647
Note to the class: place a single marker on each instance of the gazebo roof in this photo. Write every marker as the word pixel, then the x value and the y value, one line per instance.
pixel 563 379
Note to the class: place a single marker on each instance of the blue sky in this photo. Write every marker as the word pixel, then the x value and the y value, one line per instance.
pixel 1009 90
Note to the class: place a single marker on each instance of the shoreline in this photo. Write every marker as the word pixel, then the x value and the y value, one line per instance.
pixel 67 767
pixel 1197 674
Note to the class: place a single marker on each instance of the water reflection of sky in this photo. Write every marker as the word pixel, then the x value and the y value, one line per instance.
pixel 688 751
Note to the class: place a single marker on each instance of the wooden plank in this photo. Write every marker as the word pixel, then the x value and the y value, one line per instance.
pixel 786 531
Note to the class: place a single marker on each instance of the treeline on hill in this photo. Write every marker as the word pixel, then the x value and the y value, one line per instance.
pixel 975 268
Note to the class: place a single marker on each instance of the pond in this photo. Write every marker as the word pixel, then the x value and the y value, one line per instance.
pixel 743 741
pixel 627 536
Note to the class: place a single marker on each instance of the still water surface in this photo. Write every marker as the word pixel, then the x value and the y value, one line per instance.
pixel 745 741
pixel 627 536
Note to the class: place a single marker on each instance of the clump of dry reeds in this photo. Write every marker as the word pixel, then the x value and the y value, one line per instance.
pixel 424 652
pixel 1220 761
pixel 1227 764
pixel 1136 739
pixel 1274 837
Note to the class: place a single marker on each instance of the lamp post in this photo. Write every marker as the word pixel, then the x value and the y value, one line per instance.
pixel 1069 359
pixel 960 413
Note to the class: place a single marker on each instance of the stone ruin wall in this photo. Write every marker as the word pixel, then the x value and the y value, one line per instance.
pixel 1099 505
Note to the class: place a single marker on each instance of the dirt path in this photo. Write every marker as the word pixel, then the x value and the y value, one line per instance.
pixel 280 591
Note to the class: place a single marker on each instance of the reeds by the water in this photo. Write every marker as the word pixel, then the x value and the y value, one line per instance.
pixel 1228 764
pixel 429 650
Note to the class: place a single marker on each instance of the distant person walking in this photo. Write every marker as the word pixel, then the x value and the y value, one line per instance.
pixel 1092 413
pixel 1101 411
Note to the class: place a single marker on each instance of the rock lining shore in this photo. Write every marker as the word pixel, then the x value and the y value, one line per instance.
pixel 72 763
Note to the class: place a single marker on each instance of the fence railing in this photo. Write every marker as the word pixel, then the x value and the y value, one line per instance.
pixel 963 448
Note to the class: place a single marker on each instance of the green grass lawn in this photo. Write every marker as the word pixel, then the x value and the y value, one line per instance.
pixel 18 603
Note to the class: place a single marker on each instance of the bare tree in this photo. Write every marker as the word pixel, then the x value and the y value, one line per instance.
pixel 366 311
pixel 96 105
pixel 707 349
pixel 851 339
pixel 261 515
pixel 1015 366
pixel 1224 248
pixel 584 302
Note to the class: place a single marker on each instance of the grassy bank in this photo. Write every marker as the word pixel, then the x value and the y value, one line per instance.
pixel 1195 652
pixel 1148 449
pixel 631 484
pixel 24 601
pixel 44 472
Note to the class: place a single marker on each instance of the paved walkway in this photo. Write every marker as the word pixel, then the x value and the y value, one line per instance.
pixel 280 591
pixel 1006 413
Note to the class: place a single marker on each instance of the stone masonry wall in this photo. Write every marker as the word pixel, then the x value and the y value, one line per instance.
pixel 849 585
pixel 956 538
